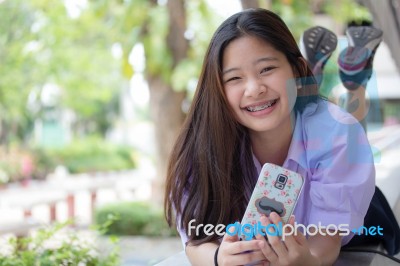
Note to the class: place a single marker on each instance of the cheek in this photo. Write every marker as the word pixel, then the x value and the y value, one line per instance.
pixel 233 98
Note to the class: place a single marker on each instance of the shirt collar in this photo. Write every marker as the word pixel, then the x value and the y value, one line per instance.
pixel 297 150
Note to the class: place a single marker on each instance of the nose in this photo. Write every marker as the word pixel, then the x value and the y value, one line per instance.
pixel 254 88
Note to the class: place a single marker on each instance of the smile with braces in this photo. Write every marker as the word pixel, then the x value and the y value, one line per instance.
pixel 261 107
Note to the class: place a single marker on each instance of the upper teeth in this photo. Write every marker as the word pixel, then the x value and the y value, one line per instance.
pixel 260 107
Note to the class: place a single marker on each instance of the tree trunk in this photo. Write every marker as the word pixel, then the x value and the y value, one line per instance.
pixel 256 3
pixel 249 4
pixel 166 111
pixel 176 41
pixel 165 103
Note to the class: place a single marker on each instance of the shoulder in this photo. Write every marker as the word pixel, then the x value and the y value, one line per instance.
pixel 332 135
pixel 327 119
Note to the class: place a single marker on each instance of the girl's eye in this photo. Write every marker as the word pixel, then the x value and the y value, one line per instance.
pixel 266 69
pixel 232 79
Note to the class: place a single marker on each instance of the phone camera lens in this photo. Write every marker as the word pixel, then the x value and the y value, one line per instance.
pixel 282 179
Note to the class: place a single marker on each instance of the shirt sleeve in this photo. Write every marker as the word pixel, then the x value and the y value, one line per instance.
pixel 181 231
pixel 342 173
pixel 183 235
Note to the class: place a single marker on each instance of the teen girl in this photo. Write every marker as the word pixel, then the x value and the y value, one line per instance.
pixel 257 102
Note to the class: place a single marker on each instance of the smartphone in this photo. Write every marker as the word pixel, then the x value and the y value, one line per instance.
pixel 277 190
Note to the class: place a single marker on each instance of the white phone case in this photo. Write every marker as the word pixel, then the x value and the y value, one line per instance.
pixel 277 189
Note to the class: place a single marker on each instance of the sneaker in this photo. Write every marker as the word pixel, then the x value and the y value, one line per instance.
pixel 355 61
pixel 317 45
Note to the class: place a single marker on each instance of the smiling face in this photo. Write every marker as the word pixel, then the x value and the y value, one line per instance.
pixel 259 84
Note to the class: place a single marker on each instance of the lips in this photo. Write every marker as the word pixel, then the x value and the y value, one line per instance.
pixel 260 106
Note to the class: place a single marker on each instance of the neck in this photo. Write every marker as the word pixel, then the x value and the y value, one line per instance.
pixel 273 146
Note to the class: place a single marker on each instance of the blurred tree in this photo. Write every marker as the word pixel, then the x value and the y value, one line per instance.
pixel 296 14
pixel 15 26
pixel 41 42
pixel 174 35
pixel 165 102
pixel 85 50
pixel 344 11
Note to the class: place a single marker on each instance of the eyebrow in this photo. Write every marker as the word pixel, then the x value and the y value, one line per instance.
pixel 263 59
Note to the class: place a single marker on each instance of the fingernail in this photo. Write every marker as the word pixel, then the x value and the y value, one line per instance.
pixel 264 219
pixel 273 216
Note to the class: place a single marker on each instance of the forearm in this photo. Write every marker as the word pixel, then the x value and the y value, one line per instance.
pixel 325 248
pixel 202 254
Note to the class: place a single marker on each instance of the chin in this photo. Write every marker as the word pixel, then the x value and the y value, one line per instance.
pixel 260 128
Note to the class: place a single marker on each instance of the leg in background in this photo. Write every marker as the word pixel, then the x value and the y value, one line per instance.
pixel 355 68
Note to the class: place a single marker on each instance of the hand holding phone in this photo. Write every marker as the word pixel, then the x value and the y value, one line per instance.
pixel 277 190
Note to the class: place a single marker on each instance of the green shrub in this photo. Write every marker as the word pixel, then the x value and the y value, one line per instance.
pixel 44 163
pixel 46 248
pixel 134 218
pixel 88 155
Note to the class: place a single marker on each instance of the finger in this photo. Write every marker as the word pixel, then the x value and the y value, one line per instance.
pixel 270 228
pixel 257 256
pixel 288 233
pixel 243 246
pixel 246 258
pixel 275 241
pixel 292 219
pixel 300 238
pixel 260 263
pixel 231 233
pixel 298 235
pixel 266 249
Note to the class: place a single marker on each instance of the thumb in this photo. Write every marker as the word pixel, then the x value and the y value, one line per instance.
pixel 292 219
pixel 232 232
pixel 300 237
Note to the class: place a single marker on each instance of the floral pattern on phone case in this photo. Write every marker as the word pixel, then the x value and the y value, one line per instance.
pixel 277 189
